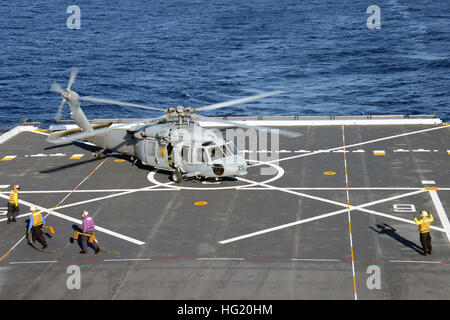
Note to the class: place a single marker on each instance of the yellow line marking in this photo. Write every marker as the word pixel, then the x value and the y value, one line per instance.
pixel 8 158
pixel 445 124
pixel 76 156
pixel 349 217
pixel 119 160
pixel 90 174
pixel 329 173
pixel 42 130
pixel 431 188
pixel 200 203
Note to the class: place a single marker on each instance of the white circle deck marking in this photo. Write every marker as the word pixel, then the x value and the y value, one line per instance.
pixel 280 173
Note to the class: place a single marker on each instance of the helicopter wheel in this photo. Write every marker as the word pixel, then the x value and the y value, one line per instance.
pixel 177 176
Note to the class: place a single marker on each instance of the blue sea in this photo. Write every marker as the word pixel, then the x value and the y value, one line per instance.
pixel 164 53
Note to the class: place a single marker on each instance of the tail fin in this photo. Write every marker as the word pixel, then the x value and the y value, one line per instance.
pixel 78 115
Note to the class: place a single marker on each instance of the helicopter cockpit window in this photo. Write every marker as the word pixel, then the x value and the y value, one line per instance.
pixel 229 149
pixel 216 153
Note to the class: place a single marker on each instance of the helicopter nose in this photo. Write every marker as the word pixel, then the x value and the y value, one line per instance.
pixel 237 168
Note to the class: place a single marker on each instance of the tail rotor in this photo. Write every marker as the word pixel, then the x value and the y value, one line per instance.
pixel 66 95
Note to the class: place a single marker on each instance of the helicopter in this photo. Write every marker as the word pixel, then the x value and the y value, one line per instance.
pixel 174 142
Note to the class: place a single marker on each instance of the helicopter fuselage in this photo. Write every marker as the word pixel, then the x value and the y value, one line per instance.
pixel 189 148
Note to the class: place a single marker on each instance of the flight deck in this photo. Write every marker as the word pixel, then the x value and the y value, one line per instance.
pixel 328 215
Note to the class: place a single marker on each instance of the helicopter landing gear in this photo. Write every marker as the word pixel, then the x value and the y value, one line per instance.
pixel 177 177
pixel 97 154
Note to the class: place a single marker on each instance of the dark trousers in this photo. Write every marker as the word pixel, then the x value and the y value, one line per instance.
pixel 425 240
pixel 36 232
pixel 84 240
pixel 13 211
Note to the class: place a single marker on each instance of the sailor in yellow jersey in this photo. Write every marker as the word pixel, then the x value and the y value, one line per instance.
pixel 424 229
pixel 13 204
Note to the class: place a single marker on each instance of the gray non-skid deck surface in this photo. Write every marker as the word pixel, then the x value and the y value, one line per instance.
pixel 182 257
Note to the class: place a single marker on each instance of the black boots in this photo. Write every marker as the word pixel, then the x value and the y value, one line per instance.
pixel 83 251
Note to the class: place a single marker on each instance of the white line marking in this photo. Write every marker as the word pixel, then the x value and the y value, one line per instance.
pixel 97 228
pixel 121 260
pixel 397 218
pixel 221 259
pixel 89 191
pixel 287 225
pixel 28 262
pixel 441 212
pixel 114 195
pixel 359 144
pixel 40 132
pixel 359 207
pixel 348 215
pixel 323 260
pixel 428 182
pixel 337 189
pixel 398 261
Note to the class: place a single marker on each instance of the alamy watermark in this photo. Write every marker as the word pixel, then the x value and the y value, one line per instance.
pixel 255 145
pixel 374 21
pixel 374 280
pixel 74 20
pixel 74 280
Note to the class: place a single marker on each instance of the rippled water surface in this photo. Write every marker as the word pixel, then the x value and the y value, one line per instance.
pixel 194 53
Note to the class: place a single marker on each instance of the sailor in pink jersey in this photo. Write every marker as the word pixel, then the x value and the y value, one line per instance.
pixel 88 227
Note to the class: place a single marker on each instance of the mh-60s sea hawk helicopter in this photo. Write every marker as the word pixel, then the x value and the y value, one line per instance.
pixel 174 142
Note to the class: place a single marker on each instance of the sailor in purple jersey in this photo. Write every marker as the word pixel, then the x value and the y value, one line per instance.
pixel 88 227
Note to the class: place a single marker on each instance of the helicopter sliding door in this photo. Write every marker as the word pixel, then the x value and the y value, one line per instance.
pixel 162 151
pixel 147 153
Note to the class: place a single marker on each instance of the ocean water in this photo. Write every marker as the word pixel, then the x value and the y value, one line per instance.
pixel 194 53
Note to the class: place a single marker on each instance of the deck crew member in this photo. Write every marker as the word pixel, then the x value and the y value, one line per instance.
pixel 13 204
pixel 35 227
pixel 424 230
pixel 88 227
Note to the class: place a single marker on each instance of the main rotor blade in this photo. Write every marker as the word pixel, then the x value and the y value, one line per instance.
pixel 90 133
pixel 236 101
pixel 118 103
pixel 73 75
pixel 287 133
pixel 59 113
pixel 56 88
